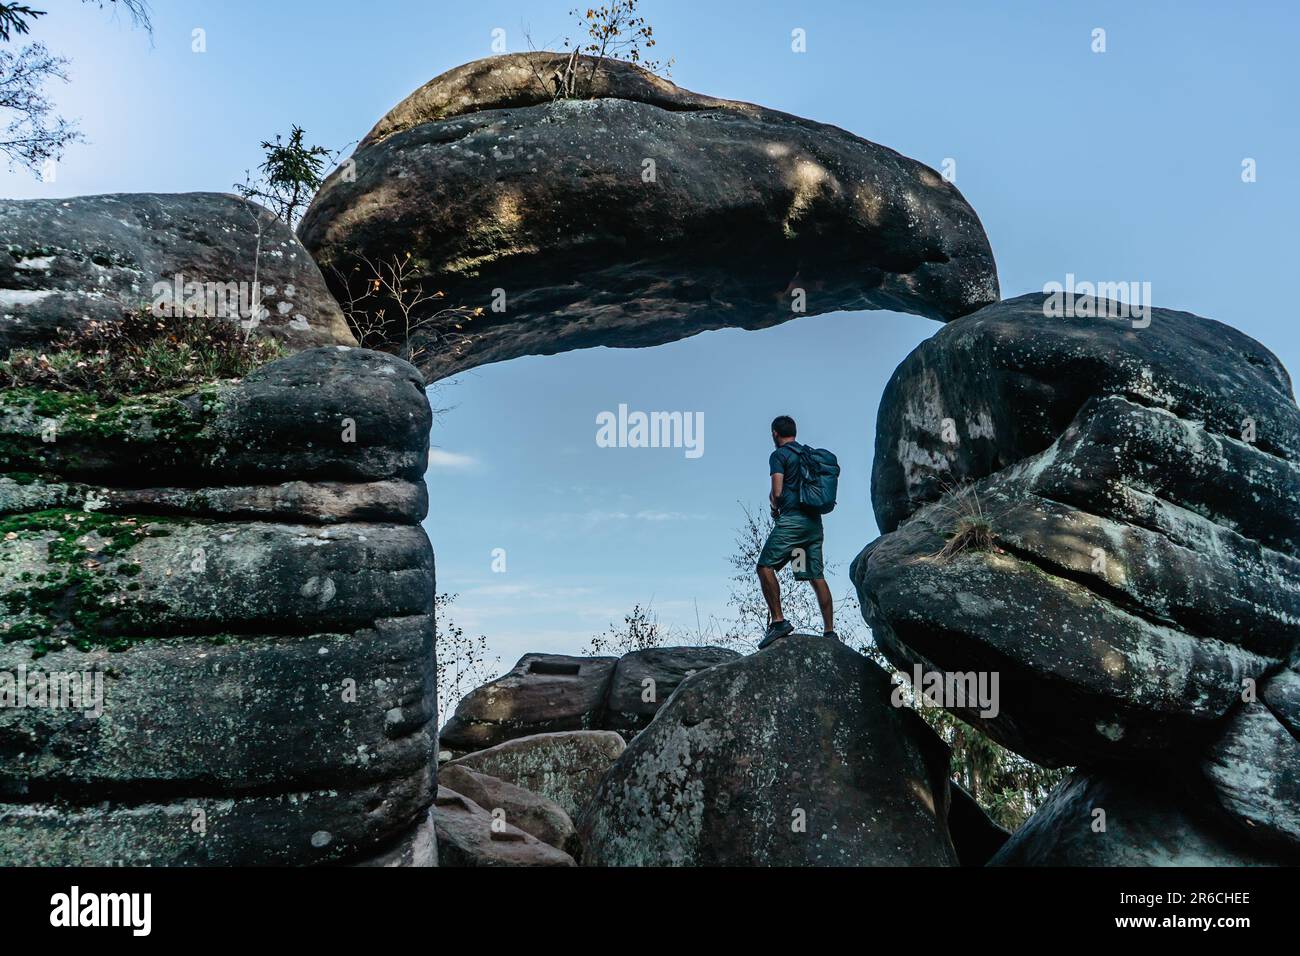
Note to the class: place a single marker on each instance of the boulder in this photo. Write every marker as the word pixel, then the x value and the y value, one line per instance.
pixel 1254 766
pixel 666 212
pixel 644 680
pixel 543 693
pixel 1102 515
pixel 546 693
pixel 794 756
pixel 530 812
pixel 88 258
pixel 243 649
pixel 469 835
pixel 1133 819
pixel 565 767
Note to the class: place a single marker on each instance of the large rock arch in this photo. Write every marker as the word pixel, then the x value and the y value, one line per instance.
pixel 639 214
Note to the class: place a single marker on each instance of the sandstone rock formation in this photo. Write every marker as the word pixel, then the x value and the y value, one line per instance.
pixel 644 680
pixel 1132 819
pixel 565 767
pixel 1254 766
pixel 544 693
pixel 636 214
pixel 1144 558
pixel 1104 514
pixel 469 835
pixel 243 570
pixel 534 814
pixel 792 756
pixel 67 261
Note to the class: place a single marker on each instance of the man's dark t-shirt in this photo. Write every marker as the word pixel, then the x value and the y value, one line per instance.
pixel 784 461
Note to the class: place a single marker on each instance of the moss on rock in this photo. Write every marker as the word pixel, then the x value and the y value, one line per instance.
pixel 72 603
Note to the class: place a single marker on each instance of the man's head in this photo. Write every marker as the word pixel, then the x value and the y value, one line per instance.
pixel 783 430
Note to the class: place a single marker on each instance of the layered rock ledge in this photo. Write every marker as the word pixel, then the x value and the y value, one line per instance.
pixel 243 571
pixel 546 693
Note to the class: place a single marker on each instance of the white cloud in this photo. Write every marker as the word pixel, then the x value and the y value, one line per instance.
pixel 666 516
pixel 599 517
pixel 441 458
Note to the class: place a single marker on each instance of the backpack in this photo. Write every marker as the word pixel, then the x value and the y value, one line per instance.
pixel 819 479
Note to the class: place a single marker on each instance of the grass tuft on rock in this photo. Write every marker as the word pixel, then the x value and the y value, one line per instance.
pixel 140 354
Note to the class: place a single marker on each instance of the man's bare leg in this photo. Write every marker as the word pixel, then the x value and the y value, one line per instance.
pixel 826 604
pixel 771 593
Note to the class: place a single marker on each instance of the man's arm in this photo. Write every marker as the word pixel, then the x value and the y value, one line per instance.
pixel 778 482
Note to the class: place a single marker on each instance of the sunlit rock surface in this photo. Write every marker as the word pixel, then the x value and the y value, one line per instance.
pixel 636 214
pixel 565 767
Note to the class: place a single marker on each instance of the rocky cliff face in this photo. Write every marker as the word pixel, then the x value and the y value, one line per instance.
pixel 1105 515
pixel 241 573
pixel 635 215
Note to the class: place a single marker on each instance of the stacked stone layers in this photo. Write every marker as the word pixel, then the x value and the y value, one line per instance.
pixel 1106 513
pixel 244 570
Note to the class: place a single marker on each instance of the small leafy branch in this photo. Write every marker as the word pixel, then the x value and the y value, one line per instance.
pixel 289 175
pixel 613 31
pixel 15 17
pixel 386 306
pixel 463 662
pixel 31 135
pixel 641 631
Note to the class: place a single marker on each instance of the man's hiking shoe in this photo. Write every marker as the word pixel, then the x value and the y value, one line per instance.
pixel 775 632
pixel 833 636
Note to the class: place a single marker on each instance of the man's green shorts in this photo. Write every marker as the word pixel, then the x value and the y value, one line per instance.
pixel 796 539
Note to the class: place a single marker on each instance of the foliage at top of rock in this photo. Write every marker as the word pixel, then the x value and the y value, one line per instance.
pixel 140 354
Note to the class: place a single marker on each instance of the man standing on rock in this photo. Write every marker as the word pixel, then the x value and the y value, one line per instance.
pixel 796 536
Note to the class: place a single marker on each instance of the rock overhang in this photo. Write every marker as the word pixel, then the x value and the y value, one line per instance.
pixel 640 215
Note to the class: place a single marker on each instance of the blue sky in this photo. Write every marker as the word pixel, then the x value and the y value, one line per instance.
pixel 1124 165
